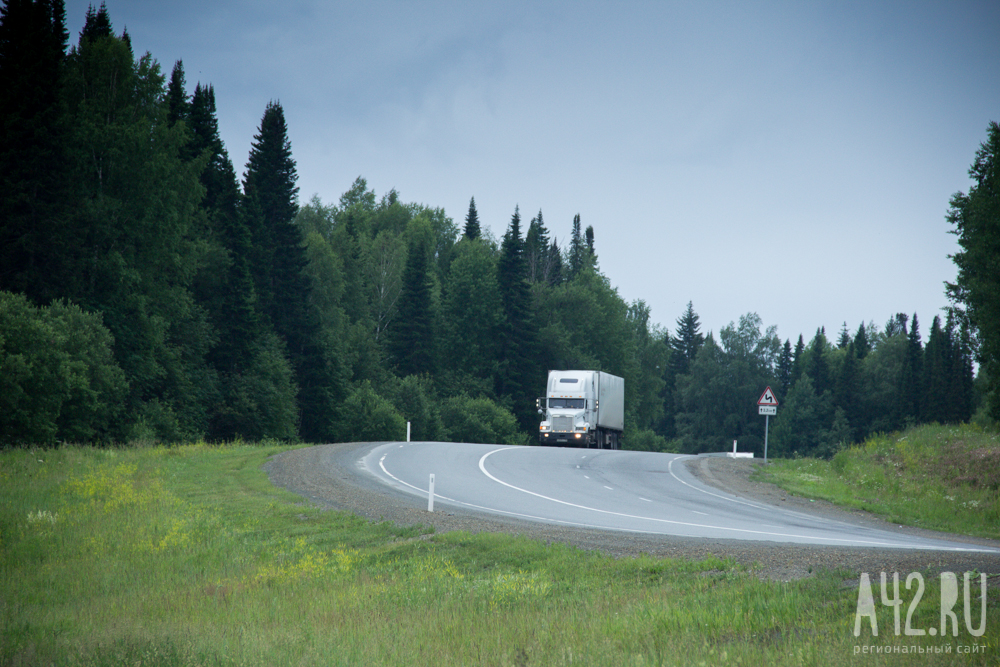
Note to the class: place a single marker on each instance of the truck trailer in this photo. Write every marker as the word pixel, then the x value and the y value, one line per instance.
pixel 582 409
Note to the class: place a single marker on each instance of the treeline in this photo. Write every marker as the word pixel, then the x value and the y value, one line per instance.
pixel 829 394
pixel 146 292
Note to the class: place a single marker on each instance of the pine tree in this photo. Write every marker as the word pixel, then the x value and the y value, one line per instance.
pixel 472 230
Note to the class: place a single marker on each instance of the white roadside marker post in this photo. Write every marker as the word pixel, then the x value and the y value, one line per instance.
pixel 407 431
pixel 430 495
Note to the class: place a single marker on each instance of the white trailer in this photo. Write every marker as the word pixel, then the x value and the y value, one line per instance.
pixel 583 409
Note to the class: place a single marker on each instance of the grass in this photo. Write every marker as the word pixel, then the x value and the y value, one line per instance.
pixel 938 477
pixel 188 556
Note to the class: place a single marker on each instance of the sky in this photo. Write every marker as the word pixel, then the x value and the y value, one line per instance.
pixel 791 159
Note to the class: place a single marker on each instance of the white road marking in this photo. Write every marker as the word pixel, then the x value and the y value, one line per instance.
pixel 482 467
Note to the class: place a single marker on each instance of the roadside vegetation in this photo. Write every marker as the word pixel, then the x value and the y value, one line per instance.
pixel 186 555
pixel 938 477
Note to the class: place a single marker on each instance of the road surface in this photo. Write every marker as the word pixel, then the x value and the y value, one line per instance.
pixel 637 492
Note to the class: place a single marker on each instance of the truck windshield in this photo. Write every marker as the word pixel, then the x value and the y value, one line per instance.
pixel 573 403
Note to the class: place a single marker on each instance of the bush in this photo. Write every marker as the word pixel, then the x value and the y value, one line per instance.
pixel 58 377
pixel 370 418
pixel 479 420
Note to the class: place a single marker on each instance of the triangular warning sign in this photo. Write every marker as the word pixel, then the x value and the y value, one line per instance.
pixel 767 398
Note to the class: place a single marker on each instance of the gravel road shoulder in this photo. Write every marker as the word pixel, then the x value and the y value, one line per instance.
pixel 331 477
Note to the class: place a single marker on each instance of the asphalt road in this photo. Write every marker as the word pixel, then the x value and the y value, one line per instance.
pixel 635 492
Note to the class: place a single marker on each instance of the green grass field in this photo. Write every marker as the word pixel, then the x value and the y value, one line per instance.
pixel 938 477
pixel 188 556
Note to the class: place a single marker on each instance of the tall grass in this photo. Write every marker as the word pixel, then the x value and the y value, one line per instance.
pixel 938 477
pixel 188 556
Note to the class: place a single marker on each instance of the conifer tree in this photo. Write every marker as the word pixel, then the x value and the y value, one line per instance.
pixel 846 388
pixel 536 249
pixel 577 249
pixel 35 183
pixel 518 374
pixel 976 220
pixel 844 339
pixel 554 268
pixel 798 360
pixel 413 336
pixel 282 285
pixel 818 368
pixel 591 253
pixel 177 98
pixel 472 230
pixel 687 341
pixel 937 357
pixel 785 370
pixel 862 344
pixel 911 392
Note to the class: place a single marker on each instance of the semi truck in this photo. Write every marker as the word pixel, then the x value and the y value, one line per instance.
pixel 582 409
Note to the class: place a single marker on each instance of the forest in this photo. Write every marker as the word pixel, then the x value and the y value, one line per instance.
pixel 149 293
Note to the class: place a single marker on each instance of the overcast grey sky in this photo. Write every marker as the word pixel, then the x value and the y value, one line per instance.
pixel 793 159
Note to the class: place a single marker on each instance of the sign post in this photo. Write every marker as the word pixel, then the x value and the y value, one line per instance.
pixel 767 405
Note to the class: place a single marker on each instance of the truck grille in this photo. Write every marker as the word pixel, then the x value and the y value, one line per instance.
pixel 562 424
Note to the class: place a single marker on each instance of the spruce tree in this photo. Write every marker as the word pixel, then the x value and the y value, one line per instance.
pixel 36 187
pixel 844 339
pixel 554 265
pixel 798 361
pixel 536 249
pixel 935 381
pixel 591 253
pixel 519 377
pixel 413 336
pixel 472 230
pixel 687 341
pixel 862 344
pixel 976 220
pixel 911 391
pixel 846 388
pixel 577 249
pixel 785 370
pixel 818 368
pixel 282 285
pixel 177 98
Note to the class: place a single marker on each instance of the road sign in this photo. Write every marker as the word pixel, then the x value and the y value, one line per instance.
pixel 768 410
pixel 767 398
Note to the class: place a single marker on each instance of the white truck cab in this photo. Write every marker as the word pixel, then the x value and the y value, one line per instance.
pixel 582 409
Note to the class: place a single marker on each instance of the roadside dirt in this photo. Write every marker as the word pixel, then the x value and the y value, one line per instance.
pixel 330 477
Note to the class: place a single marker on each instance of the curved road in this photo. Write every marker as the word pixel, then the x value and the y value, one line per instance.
pixel 610 490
